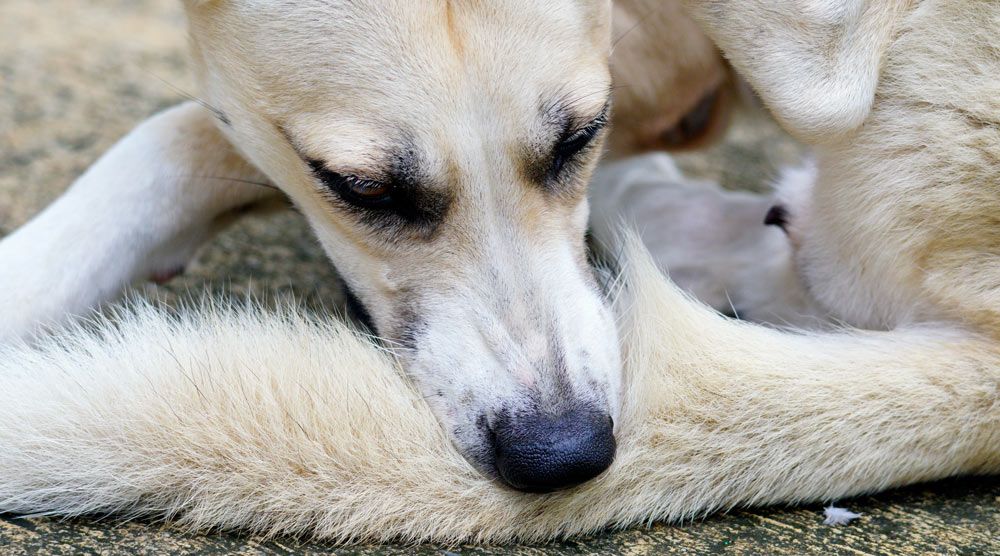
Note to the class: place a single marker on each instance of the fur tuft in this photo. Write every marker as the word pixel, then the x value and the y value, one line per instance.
pixel 838 516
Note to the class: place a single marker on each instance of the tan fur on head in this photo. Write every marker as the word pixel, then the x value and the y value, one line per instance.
pixel 476 263
pixel 278 424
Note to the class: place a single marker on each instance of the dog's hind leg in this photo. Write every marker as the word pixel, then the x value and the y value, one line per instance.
pixel 138 213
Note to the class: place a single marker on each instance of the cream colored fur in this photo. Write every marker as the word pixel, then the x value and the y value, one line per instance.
pixel 900 226
pixel 901 102
pixel 816 63
pixel 276 424
pixel 474 261
pixel 279 424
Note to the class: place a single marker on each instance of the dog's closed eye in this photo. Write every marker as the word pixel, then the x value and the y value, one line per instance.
pixel 573 142
pixel 384 205
pixel 361 192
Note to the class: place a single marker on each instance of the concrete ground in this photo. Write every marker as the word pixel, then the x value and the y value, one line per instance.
pixel 76 75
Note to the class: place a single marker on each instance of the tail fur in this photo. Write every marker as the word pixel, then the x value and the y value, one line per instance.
pixel 278 423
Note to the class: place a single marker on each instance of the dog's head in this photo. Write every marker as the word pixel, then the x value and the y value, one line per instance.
pixel 441 151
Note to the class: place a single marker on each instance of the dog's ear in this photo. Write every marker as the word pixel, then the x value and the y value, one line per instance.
pixel 815 63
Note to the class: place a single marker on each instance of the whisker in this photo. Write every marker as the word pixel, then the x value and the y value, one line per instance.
pixel 219 114
pixel 566 100
pixel 235 180
pixel 642 19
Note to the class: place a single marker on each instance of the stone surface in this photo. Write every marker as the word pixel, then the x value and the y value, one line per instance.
pixel 75 76
pixel 957 517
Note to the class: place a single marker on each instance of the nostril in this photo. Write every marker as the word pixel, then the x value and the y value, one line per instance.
pixel 539 453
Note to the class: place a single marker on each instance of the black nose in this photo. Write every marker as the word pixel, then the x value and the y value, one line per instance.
pixel 538 453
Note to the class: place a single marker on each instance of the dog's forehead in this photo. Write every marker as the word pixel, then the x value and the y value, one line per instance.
pixel 406 60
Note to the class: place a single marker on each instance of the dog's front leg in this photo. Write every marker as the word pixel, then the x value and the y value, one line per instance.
pixel 138 213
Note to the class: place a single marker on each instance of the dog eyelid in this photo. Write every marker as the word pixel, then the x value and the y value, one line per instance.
pixel 585 133
pixel 354 189
pixel 365 187
pixel 573 143
pixel 592 127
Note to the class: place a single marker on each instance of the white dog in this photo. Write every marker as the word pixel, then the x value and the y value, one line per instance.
pixel 470 262
pixel 440 151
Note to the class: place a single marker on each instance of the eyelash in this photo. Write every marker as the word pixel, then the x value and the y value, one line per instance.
pixel 575 143
pixel 346 187
pixel 398 204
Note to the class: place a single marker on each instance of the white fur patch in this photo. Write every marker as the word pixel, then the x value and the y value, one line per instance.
pixel 838 516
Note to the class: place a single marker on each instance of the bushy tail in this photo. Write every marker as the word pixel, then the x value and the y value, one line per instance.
pixel 283 424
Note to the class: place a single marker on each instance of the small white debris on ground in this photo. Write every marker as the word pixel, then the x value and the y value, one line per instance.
pixel 838 516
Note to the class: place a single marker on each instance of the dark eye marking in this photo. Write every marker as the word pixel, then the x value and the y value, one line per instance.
pixel 573 143
pixel 389 204
pixel 361 192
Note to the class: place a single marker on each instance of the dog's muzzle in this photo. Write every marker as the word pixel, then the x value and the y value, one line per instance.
pixel 539 453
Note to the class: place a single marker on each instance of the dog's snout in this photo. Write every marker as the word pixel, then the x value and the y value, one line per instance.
pixel 539 453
